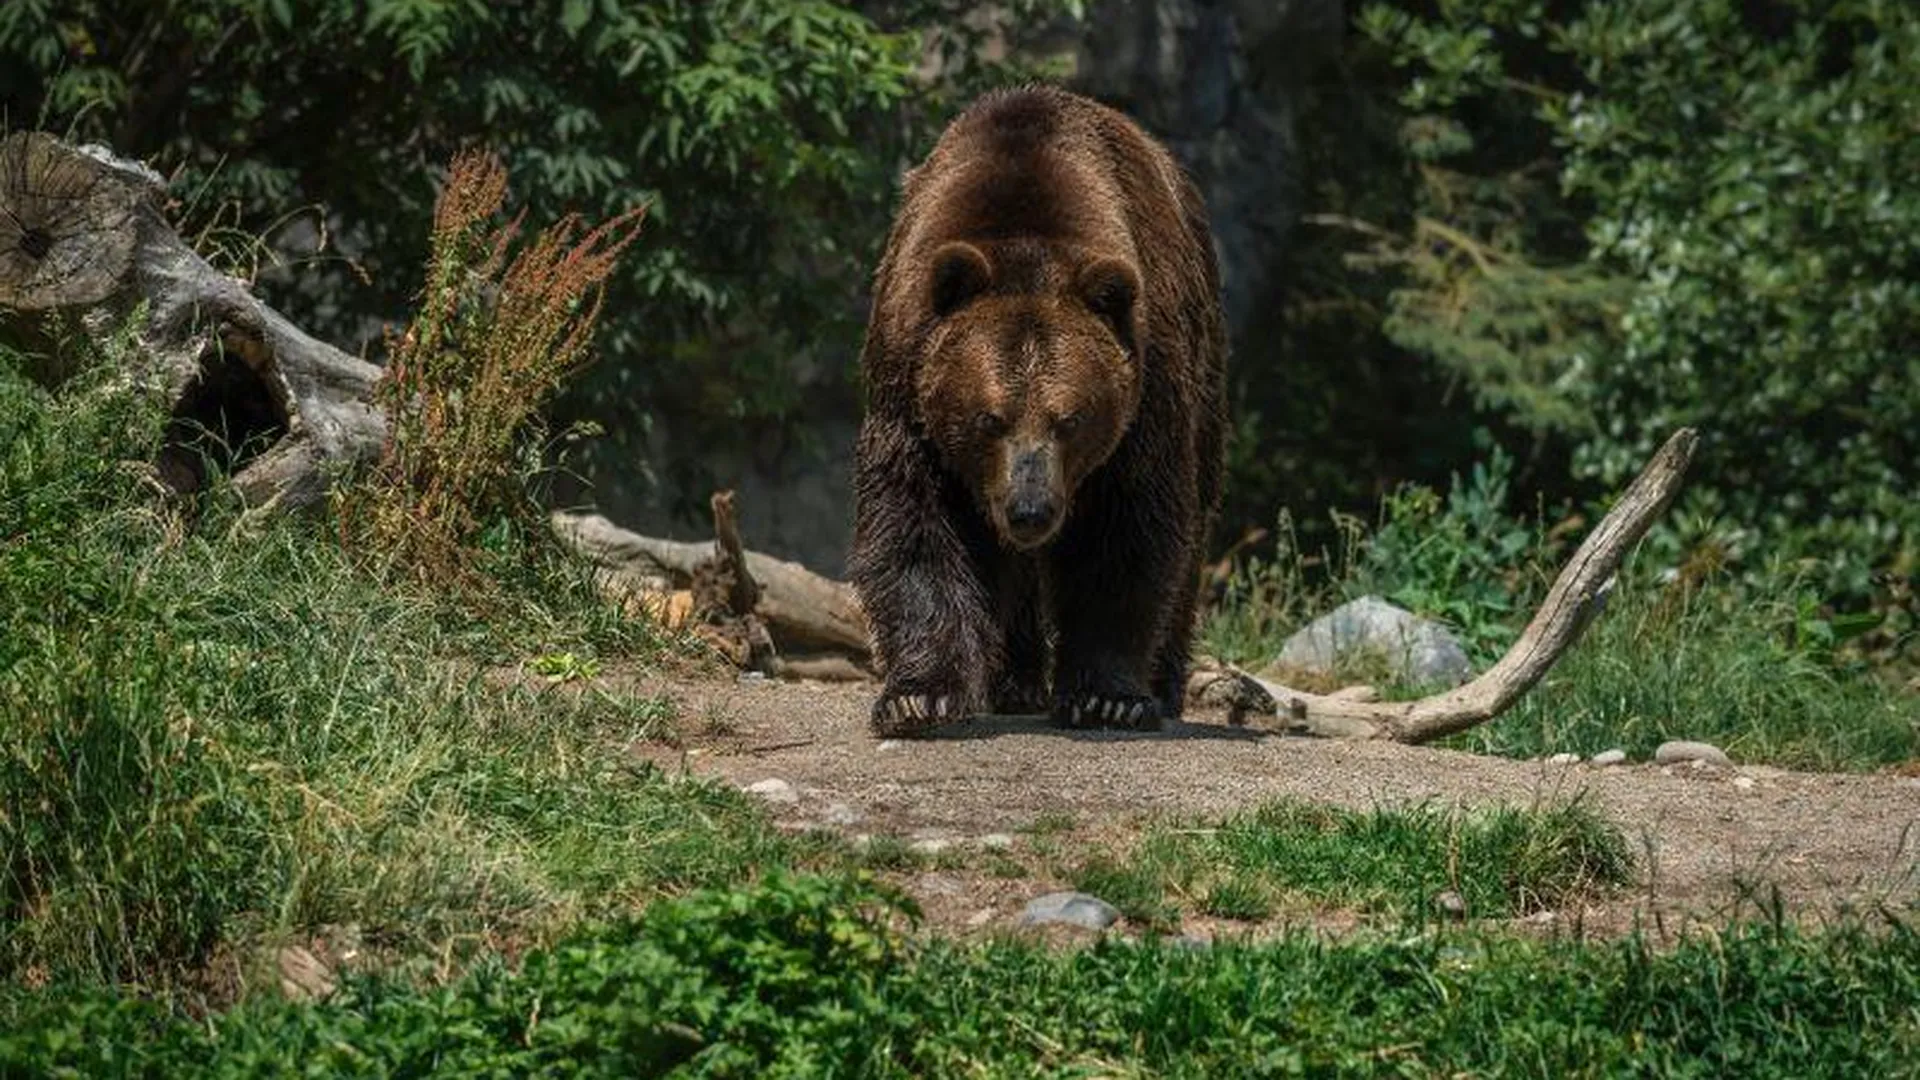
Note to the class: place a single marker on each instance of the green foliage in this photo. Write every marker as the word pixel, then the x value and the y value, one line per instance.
pixel 1738 174
pixel 1461 559
pixel 215 731
pixel 801 977
pixel 1503 862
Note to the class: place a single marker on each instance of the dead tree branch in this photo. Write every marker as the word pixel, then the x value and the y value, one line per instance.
pixel 1578 594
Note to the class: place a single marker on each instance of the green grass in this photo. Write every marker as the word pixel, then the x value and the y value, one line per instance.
pixel 1286 855
pixel 1718 668
pixel 1746 663
pixel 809 977
pixel 216 731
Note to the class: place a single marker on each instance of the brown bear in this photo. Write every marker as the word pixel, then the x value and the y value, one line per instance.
pixel 1040 459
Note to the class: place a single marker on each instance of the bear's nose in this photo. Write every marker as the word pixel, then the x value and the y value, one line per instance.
pixel 1030 513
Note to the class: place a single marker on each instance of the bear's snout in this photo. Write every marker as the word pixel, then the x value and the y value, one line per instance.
pixel 1031 510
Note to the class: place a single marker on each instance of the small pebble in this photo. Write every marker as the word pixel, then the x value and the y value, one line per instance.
pixel 841 815
pixel 997 841
pixel 888 744
pixel 1071 909
pixel 1564 759
pixel 1744 783
pixel 1451 904
pixel 981 917
pixel 776 791
pixel 1680 750
pixel 1605 758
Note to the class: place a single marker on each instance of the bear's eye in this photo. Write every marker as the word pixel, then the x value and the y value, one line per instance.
pixel 1068 423
pixel 990 424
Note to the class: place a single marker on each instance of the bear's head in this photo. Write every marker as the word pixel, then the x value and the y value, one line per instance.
pixel 1030 376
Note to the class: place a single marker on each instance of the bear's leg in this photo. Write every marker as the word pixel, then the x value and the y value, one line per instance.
pixel 1021 688
pixel 1114 578
pixel 1176 652
pixel 917 565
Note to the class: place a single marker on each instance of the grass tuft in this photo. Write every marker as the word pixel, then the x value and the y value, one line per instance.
pixel 1504 862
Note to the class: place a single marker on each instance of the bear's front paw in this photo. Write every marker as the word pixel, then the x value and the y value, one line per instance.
pixel 1132 712
pixel 897 714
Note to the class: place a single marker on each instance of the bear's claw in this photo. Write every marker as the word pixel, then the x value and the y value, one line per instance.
pixel 1126 711
pixel 908 714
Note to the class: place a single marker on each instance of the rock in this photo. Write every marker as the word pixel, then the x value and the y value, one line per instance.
pixel 888 744
pixel 1744 783
pixel 775 791
pixel 1564 759
pixel 1416 649
pixel 1615 756
pixel 841 815
pixel 997 841
pixel 303 976
pixel 1070 909
pixel 1451 904
pixel 1677 751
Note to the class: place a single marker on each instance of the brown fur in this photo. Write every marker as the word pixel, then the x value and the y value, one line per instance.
pixel 1041 456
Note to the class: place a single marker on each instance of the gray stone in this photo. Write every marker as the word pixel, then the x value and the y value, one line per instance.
pixel 1744 783
pixel 1416 649
pixel 1070 909
pixel 1678 751
pixel 774 791
pixel 1564 759
pixel 1615 756
pixel 1451 904
pixel 841 815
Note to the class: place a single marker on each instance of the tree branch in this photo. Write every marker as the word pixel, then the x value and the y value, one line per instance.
pixel 1578 594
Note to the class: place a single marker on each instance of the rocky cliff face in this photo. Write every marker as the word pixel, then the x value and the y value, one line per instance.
pixel 1221 81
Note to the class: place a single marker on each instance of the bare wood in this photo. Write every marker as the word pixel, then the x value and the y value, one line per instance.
pixel 82 232
pixel 804 611
pixel 742 594
pixel 1578 594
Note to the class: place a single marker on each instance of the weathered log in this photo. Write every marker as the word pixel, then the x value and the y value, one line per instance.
pixel 82 234
pixel 1577 595
pixel 804 611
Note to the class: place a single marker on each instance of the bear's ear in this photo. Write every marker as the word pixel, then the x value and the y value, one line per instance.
pixel 1110 288
pixel 960 273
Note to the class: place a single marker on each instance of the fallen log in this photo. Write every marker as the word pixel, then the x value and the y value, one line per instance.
pixel 1578 594
pixel 82 235
pixel 804 611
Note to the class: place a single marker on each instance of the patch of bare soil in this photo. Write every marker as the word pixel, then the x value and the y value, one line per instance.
pixel 1713 844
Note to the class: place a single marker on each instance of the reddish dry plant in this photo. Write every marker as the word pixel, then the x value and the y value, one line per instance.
pixel 496 335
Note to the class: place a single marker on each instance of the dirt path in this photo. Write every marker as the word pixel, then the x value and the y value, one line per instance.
pixel 1711 842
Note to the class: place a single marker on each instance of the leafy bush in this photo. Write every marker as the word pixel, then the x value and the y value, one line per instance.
pixel 803 977
pixel 1738 175
pixel 1460 559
